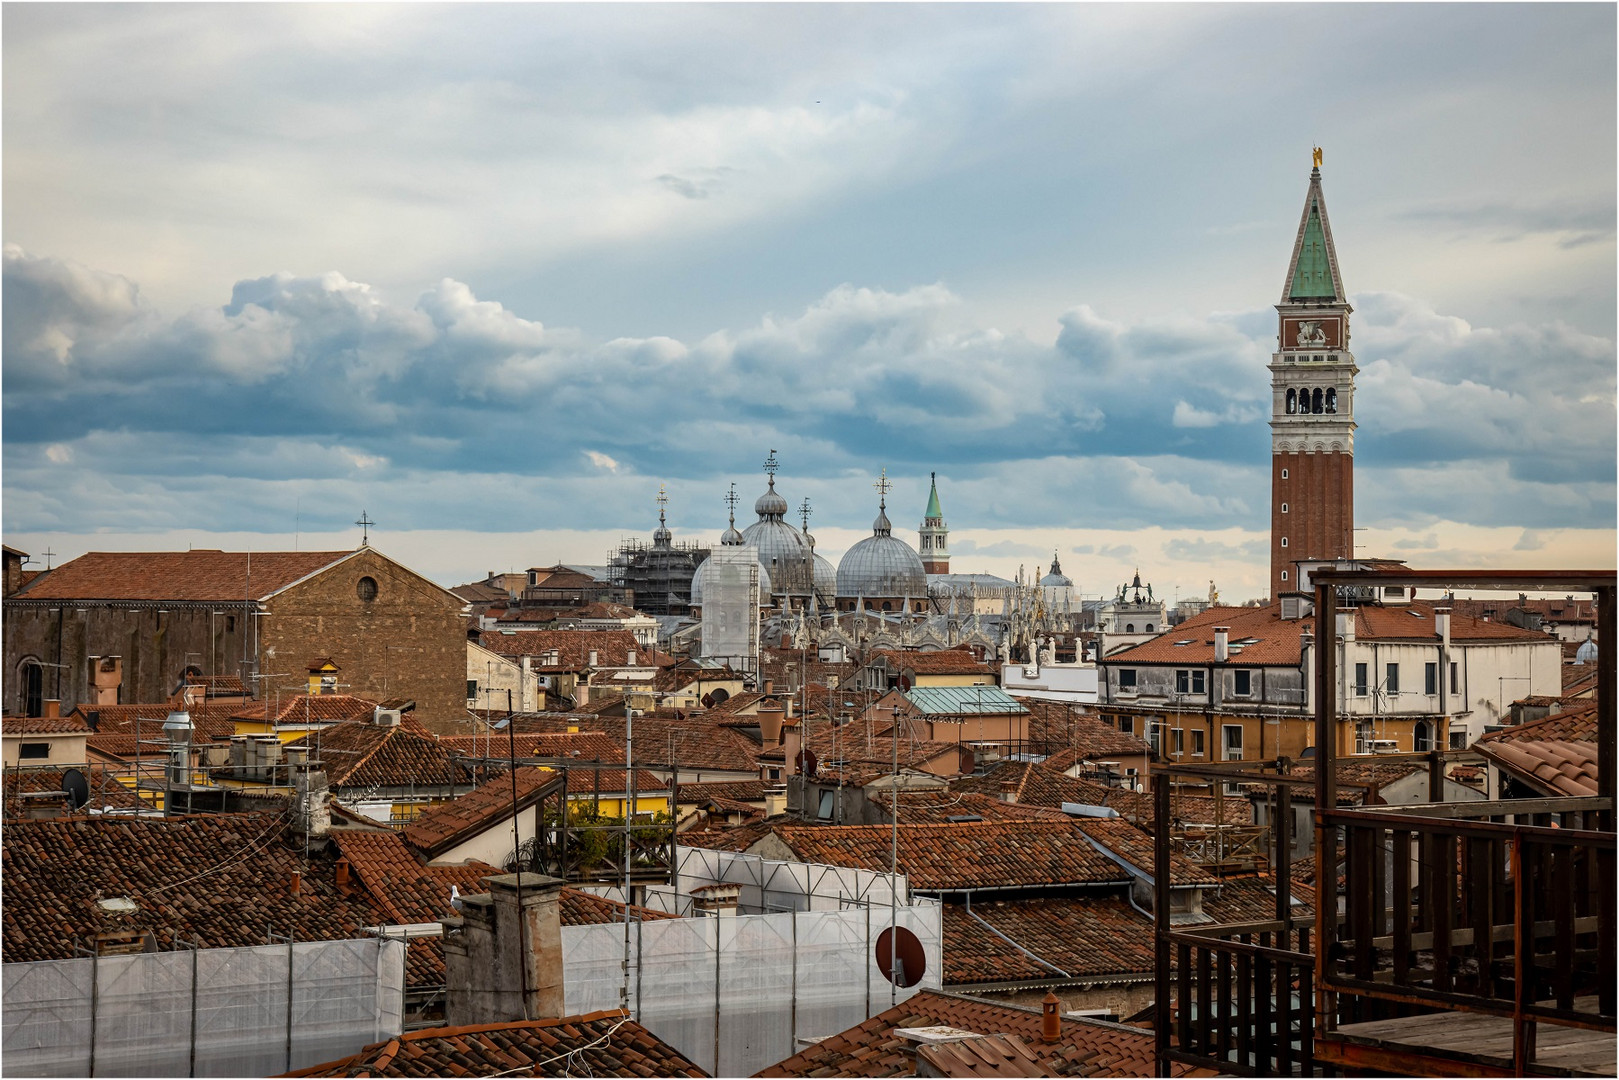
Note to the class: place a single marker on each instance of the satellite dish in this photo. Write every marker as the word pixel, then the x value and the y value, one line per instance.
pixel 76 787
pixel 905 682
pixel 806 762
pixel 904 963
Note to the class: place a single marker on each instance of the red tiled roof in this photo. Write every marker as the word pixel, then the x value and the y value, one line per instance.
pixel 938 807
pixel 739 838
pixel 105 790
pixel 360 754
pixel 1136 848
pixel 182 576
pixel 1577 610
pixel 209 720
pixel 447 823
pixel 606 1043
pixel 612 648
pixel 72 724
pixel 1553 766
pixel 1364 769
pixel 973 855
pixel 1084 936
pixel 577 745
pixel 751 791
pixel 873 1047
pixel 308 709
pixel 695 742
pixel 1064 728
pixel 1252 898
pixel 407 891
pixel 1577 723
pixel 222 879
pixel 941 662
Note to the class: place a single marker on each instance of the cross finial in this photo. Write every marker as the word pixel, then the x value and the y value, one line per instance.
pixel 804 512
pixel 49 554
pixel 663 501
pixel 365 524
pixel 771 466
pixel 883 486
pixel 731 501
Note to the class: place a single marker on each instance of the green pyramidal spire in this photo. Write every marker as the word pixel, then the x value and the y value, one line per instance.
pixel 1312 280
pixel 933 498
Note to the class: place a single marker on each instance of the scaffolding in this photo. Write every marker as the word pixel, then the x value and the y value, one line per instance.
pixel 657 576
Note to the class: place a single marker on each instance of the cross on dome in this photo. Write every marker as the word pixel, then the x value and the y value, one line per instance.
pixel 771 466
pixel 804 512
pixel 883 486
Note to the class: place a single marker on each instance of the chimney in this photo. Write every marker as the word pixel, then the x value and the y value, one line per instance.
pixel 503 956
pixel 1008 791
pixel 311 814
pixel 52 707
pixel 1222 638
pixel 792 743
pixel 295 885
pixel 1441 624
pixel 770 687
pixel 1050 1019
pixel 592 657
pixel 344 885
pixel 629 659
pixel 525 668
pixel 771 720
pixel 775 801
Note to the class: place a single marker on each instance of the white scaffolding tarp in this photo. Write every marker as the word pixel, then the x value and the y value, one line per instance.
pixel 748 985
pixel 207 1012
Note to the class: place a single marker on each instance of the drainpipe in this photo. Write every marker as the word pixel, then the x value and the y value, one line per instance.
pixel 975 918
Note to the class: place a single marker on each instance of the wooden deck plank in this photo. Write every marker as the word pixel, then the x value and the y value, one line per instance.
pixel 1487 1040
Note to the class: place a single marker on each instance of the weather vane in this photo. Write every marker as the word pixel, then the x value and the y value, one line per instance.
pixel 883 486
pixel 804 512
pixel 365 524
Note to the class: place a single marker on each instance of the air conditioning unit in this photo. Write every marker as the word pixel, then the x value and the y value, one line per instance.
pixel 387 717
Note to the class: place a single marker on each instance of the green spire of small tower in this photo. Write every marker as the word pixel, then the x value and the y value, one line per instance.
pixel 1312 279
pixel 933 498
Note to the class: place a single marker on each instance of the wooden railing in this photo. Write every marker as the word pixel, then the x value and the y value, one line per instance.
pixel 1243 998
pixel 1491 907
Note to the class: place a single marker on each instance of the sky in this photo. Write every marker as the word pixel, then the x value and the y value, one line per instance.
pixel 493 274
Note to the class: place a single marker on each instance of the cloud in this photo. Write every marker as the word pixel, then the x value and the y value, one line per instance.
pixel 298 380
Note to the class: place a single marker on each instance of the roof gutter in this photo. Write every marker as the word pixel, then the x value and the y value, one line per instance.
pixel 979 920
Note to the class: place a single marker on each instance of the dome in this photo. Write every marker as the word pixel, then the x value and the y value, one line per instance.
pixel 1056 579
pixel 661 536
pixel 697 583
pixel 1586 653
pixel 882 565
pixel 826 581
pixel 783 552
pixel 771 504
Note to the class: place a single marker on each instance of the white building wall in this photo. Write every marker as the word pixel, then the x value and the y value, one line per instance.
pixel 731 605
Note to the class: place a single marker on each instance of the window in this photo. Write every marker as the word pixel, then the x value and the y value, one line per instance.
pixel 230 624
pixel 1231 735
pixel 1197 742
pixel 34 750
pixel 33 688
pixel 1284 575
pixel 472 689
pixel 1292 400
pixel 1458 740
pixel 1127 678
pixel 1284 508
pixel 1129 628
pixel 1360 680
pixel 823 812
pixel 1149 628
pixel 1284 474
pixel 1243 682
pixel 1454 683
pixel 366 589
pixel 1422 736
pixel 1189 682
pixel 1178 740
pixel 1127 725
pixel 1391 681
pixel 1284 541
pixel 1430 678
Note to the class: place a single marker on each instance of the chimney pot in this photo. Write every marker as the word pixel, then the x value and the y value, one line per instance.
pixel 52 707
pixel 592 657
pixel 343 884
pixel 296 885
pixel 1008 791
pixel 770 687
pixel 1222 640
pixel 1050 1019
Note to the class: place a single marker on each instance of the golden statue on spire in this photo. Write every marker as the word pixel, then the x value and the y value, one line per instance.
pixel 1315 155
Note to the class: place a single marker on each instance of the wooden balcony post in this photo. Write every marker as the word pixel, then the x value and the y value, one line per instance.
pixel 1326 801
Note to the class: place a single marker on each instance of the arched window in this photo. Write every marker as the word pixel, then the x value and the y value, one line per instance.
pixel 1332 399
pixel 1149 628
pixel 1315 400
pixel 1130 628
pixel 30 687
pixel 1292 400
pixel 366 589
pixel 1422 736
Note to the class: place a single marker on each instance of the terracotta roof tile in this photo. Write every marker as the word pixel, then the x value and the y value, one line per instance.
pixel 1576 723
pixel 1085 936
pixel 221 879
pixel 1553 766
pixel 44 725
pixel 448 823
pixel 874 1048
pixel 365 755
pixel 105 790
pixel 210 720
pixel 695 742
pixel 577 745
pixel 612 648
pixel 1252 898
pixel 606 1043
pixel 941 662
pixel 183 576
pixel 972 855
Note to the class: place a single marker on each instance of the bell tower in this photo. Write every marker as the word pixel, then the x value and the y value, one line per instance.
pixel 934 534
pixel 1312 512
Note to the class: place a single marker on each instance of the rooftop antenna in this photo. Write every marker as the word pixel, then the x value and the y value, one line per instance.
pixel 48 553
pixel 365 524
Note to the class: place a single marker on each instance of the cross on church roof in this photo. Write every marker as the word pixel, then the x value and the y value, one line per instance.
pixel 663 501
pixel 804 512
pixel 771 466
pixel 883 486
pixel 365 524
pixel 731 500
